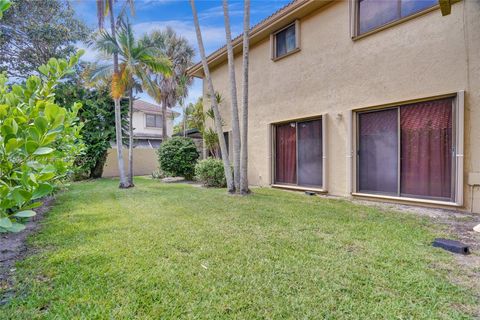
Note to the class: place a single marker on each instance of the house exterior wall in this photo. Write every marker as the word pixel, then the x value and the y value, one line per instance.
pixel 332 74
pixel 139 124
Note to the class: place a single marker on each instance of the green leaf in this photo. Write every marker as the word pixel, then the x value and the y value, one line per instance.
pixel 51 111
pixel 42 190
pixel 5 223
pixel 25 214
pixel 41 123
pixel 16 227
pixel 31 146
pixel 11 145
pixel 43 151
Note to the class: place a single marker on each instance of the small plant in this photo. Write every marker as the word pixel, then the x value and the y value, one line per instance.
pixel 177 157
pixel 210 172
pixel 158 174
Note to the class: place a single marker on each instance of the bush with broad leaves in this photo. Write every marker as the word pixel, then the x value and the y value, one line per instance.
pixel 39 140
pixel 177 157
pixel 210 172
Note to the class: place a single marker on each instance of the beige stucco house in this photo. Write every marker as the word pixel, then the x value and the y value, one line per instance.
pixel 365 99
pixel 147 132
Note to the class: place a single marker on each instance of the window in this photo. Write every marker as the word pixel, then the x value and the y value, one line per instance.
pixel 226 135
pixel 153 120
pixel 285 41
pixel 299 152
pixel 372 14
pixel 408 151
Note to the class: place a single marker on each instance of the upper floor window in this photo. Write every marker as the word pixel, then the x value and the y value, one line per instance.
pixel 286 40
pixel 372 14
pixel 153 120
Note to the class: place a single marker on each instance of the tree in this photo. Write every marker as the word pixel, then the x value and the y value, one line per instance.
pixel 34 31
pixel 218 120
pixel 104 8
pixel 244 142
pixel 98 116
pixel 136 62
pixel 233 99
pixel 173 89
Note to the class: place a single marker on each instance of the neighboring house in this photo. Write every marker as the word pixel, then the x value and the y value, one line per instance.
pixel 370 99
pixel 147 124
pixel 147 133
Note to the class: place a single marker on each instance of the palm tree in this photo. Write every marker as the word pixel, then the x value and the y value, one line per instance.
pixel 171 90
pixel 244 142
pixel 104 8
pixel 136 62
pixel 234 100
pixel 218 123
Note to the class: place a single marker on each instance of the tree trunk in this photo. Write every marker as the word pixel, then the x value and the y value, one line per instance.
pixel 244 144
pixel 184 121
pixel 130 138
pixel 234 99
pixel 97 171
pixel 164 120
pixel 218 120
pixel 118 116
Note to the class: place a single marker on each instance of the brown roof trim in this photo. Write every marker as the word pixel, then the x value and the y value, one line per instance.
pixel 294 10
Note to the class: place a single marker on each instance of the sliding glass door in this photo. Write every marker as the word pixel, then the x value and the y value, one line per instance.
pixel 407 151
pixel 299 153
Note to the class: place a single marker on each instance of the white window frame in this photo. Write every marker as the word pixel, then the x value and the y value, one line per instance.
pixel 273 41
pixel 459 127
pixel 272 142
pixel 155 115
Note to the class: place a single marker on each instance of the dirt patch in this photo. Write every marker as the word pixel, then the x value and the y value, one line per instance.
pixel 13 248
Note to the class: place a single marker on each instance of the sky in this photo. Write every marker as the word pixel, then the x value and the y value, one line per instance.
pixel 158 14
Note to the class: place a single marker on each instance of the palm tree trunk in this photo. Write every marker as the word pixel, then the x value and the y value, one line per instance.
pixel 184 121
pixel 218 122
pixel 164 120
pixel 234 99
pixel 118 116
pixel 244 144
pixel 130 138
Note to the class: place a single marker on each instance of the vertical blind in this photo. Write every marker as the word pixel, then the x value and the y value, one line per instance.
pixel 298 153
pixel 424 157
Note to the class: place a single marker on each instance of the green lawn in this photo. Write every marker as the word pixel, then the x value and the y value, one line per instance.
pixel 179 251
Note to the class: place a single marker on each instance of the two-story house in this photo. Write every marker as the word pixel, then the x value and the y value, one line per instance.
pixel 147 134
pixel 363 98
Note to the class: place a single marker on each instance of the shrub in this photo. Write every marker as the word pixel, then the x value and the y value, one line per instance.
pixel 39 141
pixel 210 172
pixel 177 157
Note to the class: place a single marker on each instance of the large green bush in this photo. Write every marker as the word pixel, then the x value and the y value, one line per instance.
pixel 177 157
pixel 210 172
pixel 39 141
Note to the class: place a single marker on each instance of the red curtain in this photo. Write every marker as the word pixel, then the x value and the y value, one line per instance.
pixel 286 154
pixel 426 149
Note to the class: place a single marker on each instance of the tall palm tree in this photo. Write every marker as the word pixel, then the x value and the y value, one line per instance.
pixel 136 62
pixel 105 8
pixel 218 122
pixel 167 92
pixel 182 93
pixel 244 142
pixel 233 98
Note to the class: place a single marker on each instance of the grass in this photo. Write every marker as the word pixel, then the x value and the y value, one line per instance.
pixel 174 251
